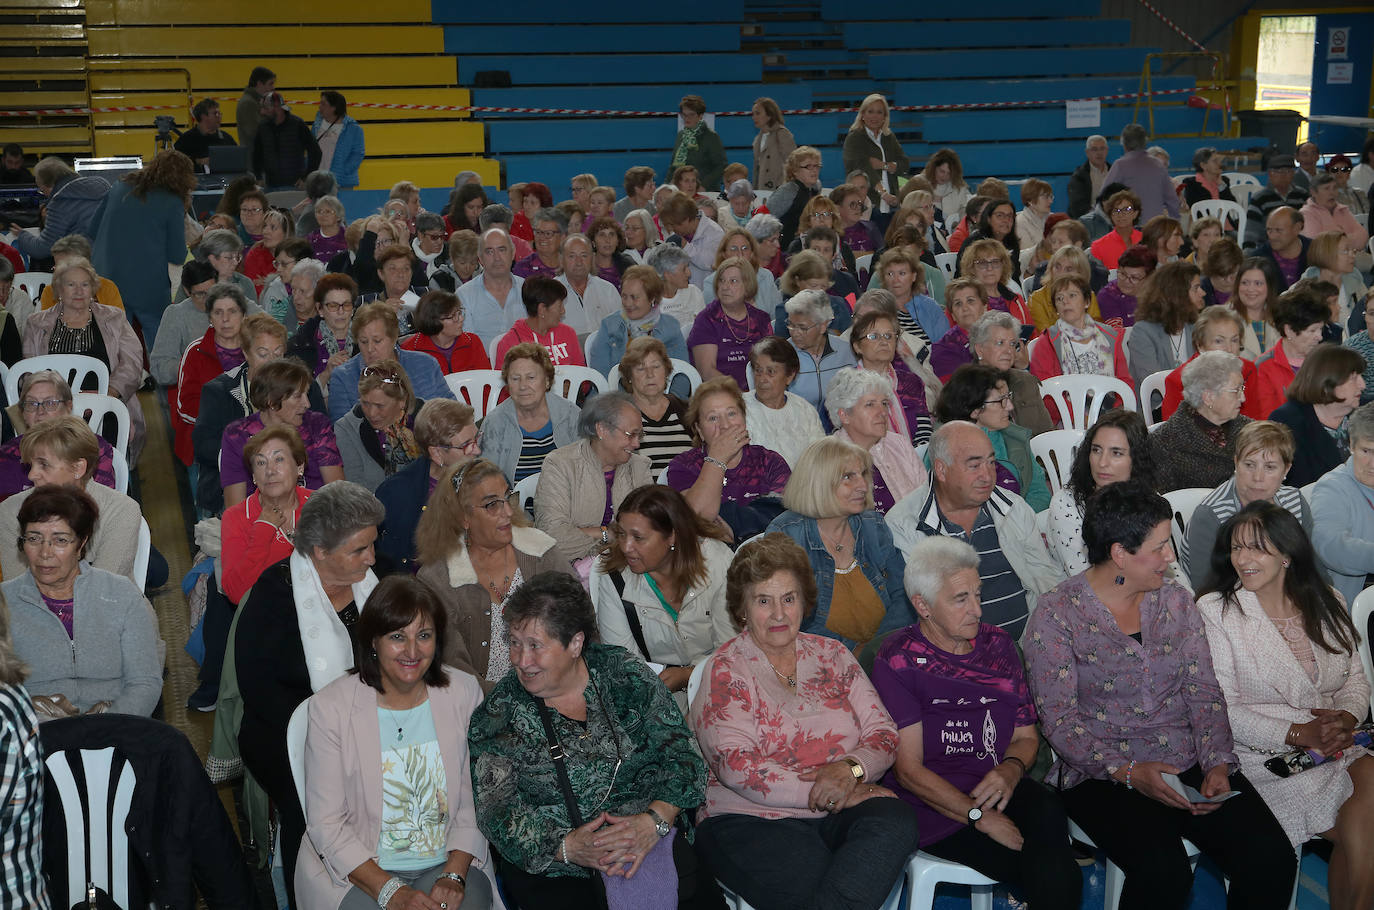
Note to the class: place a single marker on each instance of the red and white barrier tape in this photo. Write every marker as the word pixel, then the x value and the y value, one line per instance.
pixel 1172 24
pixel 580 112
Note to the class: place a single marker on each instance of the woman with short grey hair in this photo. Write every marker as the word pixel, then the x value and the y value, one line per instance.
pixel 295 635
pixel 857 403
pixel 641 235
pixel 681 299
pixel 1196 447
pixel 995 339
pixel 224 250
pixel 581 485
pixel 766 230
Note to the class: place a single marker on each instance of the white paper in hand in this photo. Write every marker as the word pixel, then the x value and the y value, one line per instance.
pixel 1192 794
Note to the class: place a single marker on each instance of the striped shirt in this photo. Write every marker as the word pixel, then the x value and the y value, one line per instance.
pixel 537 446
pixel 1003 595
pixel 21 803
pixel 665 438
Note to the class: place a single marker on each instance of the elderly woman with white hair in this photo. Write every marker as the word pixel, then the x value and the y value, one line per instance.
pixel 995 339
pixel 810 314
pixel 773 411
pixel 858 405
pixel 681 299
pixel 766 230
pixel 976 807
pixel 641 235
pixel 858 569
pixel 304 276
pixel 582 484
pixel 1196 447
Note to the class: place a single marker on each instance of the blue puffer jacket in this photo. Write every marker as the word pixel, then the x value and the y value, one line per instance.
pixel 71 207
pixel 878 558
pixel 348 151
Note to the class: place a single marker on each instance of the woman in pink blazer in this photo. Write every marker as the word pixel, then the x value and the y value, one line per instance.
pixel 388 795
pixel 1283 648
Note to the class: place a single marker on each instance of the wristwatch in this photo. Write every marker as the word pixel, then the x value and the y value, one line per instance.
pixel 974 814
pixel 660 823
pixel 855 768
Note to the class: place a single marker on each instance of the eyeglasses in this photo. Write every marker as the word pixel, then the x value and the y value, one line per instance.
pixel 473 443
pixel 801 327
pixel 433 235
pixel 854 206
pixel 879 336
pixel 234 256
pixel 456 314
pixel 493 507
pixel 47 407
pixel 251 211
pixel 199 295
pixel 631 435
pixel 545 234
pixel 283 263
pixel 1339 170
pixel 383 374
pixel 987 263
pixel 1128 278
pixel 334 306
pixel 815 215
pixel 1124 210
pixel 1235 391
pixel 57 541
pixel 1004 401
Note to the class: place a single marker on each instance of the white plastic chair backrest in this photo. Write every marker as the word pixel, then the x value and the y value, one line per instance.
pixel 33 283
pixel 295 746
pixel 864 263
pixel 1360 612
pixel 568 381
pixel 1149 387
pixel 694 681
pixel 77 368
pixel 1031 346
pixel 587 345
pixel 1055 450
pixel 1184 503
pixel 1371 246
pixel 479 388
pixel 680 368
pixel 93 409
pixel 1238 177
pixel 1221 209
pixel 491 352
pixel 1070 395
pixel 524 492
pixel 1126 344
pixel 98 849
pixel 141 555
pixel 1243 191
pixel 121 471
pixel 948 263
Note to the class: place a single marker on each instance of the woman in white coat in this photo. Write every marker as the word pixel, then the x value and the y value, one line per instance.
pixel 1284 651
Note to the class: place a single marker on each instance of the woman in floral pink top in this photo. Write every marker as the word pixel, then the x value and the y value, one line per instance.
pixel 1123 682
pixel 793 734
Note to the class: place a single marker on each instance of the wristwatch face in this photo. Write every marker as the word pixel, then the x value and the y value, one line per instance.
pixel 974 814
pixel 661 826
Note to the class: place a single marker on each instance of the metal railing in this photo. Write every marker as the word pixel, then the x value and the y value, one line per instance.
pixel 1217 83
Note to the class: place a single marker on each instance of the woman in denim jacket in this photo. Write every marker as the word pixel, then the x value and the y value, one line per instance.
pixel 829 501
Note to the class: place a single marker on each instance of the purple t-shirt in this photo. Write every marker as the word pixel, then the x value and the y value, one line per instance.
pixel 532 265
pixel 733 339
pixel 606 516
pixel 760 472
pixel 1116 306
pixel 1288 268
pixel 64 610
pixel 316 431
pixel 611 274
pixel 950 353
pixel 968 705
pixel 228 357
pixel 326 248
pixel 882 496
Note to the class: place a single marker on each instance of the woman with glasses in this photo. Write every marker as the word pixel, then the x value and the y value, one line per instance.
pixel 1123 208
pixel 820 218
pixel 258 532
pixel 1197 446
pixel 980 395
pixel 277 227
pixel 1331 257
pixel 601 816
pixel 324 342
pixel 998 222
pixel 216 352
pixel 724 332
pixel 803 173
pixel 475 546
pixel 1117 301
pixel 275 299
pixel 377 437
pixel 43 396
pixel 439 332
pixel 582 484
pixel 739 243
pixel 857 405
pixel 859 235
pixel 873 339
pixel 1077 343
pixel 987 262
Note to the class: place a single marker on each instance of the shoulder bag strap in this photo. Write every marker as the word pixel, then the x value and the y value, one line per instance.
pixel 559 762
pixel 631 615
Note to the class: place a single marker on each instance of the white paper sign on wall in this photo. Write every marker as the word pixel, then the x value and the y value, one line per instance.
pixel 1082 114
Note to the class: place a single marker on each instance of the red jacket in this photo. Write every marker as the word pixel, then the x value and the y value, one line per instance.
pixel 199 365
pixel 468 352
pixel 1269 388
pixel 1173 389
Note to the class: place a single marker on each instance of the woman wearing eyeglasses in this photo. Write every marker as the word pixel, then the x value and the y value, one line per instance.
pixel 1117 301
pixel 446 434
pixel 1077 343
pixel 1123 208
pixel 803 173
pixel 873 339
pixel 323 342
pixel 583 484
pixel 377 437
pixel 43 396
pixel 476 546
pixel 258 532
pixel 980 394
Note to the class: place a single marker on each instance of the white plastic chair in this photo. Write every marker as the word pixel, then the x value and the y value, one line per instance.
pixel 948 263
pixel 1126 344
pixel 296 728
pixel 98 848
pixel 680 368
pixel 1070 395
pixel 1242 193
pixel 491 351
pixel 1114 879
pixel 568 381
pixel 1184 503
pixel 77 368
pixel 1360 611
pixel 1240 178
pixel 33 283
pixel 587 345
pixel 524 493
pixel 1222 210
pixel 479 388
pixel 925 872
pixel 1055 450
pixel 94 408
pixel 1149 387
pixel 121 471
pixel 145 549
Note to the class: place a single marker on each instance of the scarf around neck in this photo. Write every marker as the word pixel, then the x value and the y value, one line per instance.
pixel 324 639
pixel 639 328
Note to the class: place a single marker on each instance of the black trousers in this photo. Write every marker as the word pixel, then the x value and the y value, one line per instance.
pixel 1142 837
pixel 696 886
pixel 1043 872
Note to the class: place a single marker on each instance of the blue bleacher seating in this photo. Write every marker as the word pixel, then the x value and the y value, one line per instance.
pixel 847 11
pixel 999 62
pixel 955 90
pixel 589 39
pixel 459 12
pixel 1044 123
pixel 640 97
pixel 612 69
pixel 596 134
pixel 1005 33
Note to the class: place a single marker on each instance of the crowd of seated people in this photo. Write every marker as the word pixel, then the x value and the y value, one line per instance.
pixel 726 634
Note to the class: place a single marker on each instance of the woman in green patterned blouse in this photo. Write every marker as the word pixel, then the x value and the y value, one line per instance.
pixel 630 762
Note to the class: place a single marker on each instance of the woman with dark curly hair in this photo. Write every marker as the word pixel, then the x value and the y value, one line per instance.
pixel 465 206
pixel 980 394
pixel 140 224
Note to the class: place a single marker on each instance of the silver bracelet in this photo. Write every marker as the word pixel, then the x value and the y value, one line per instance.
pixel 717 462
pixel 388 891
pixel 454 876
